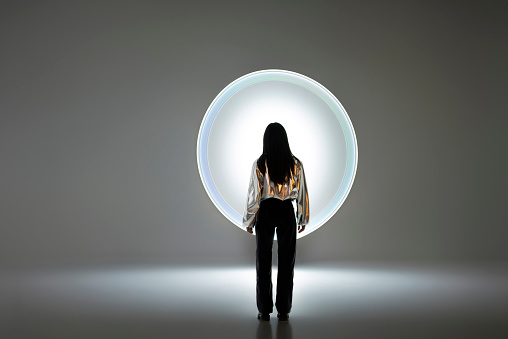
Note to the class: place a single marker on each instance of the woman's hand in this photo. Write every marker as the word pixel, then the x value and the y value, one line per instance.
pixel 301 228
pixel 249 229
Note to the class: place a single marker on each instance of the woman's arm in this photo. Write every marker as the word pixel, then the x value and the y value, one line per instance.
pixel 302 202
pixel 253 197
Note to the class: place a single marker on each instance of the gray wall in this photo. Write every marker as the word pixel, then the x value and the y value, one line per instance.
pixel 101 103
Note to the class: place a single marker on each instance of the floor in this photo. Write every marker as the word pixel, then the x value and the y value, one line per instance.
pixel 347 301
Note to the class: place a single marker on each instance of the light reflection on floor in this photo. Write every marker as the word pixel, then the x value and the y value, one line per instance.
pixel 194 302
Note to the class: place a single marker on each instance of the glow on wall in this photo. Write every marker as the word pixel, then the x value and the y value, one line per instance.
pixel 319 130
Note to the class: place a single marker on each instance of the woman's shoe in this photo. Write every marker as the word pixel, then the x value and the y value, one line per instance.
pixel 264 316
pixel 283 316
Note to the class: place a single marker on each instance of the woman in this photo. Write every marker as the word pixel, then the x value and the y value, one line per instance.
pixel 277 178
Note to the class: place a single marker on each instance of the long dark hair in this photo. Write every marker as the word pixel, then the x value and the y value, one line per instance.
pixel 277 154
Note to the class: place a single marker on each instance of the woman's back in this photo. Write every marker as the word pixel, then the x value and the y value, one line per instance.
pixel 289 189
pixel 261 187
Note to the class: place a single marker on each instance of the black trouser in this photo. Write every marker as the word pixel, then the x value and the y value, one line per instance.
pixel 275 214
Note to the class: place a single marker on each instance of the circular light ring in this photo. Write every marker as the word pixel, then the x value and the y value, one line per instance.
pixel 311 85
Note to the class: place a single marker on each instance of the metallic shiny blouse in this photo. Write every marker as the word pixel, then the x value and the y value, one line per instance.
pixel 261 188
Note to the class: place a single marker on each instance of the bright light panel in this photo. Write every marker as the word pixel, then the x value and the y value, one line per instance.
pixel 319 130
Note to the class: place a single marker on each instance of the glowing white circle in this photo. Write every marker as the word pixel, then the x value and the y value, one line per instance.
pixel 319 130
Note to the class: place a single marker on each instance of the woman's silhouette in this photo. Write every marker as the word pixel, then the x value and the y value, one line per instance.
pixel 277 178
